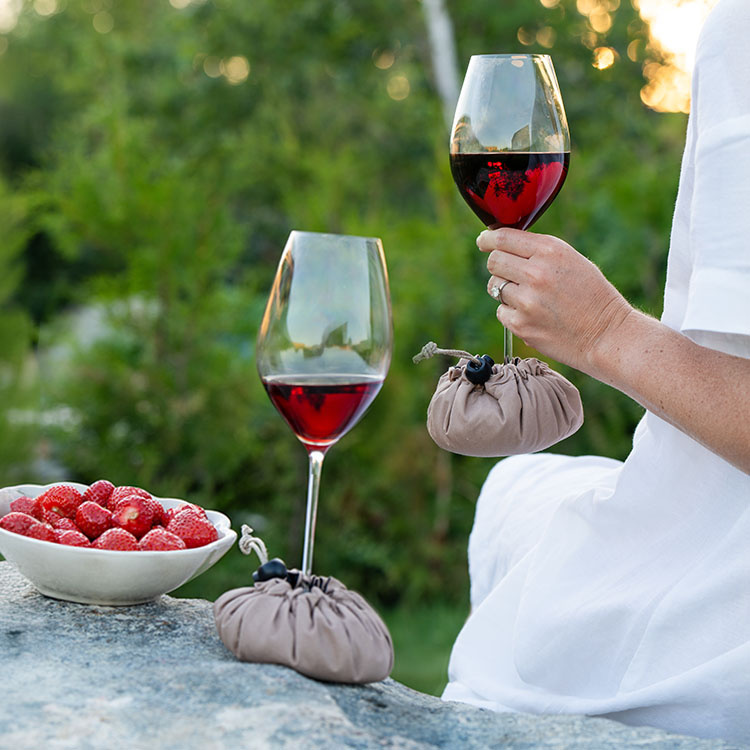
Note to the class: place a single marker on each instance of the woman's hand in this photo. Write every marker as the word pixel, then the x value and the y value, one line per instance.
pixel 558 301
pixel 561 304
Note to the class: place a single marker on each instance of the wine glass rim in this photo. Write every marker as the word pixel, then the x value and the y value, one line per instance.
pixel 333 234
pixel 514 55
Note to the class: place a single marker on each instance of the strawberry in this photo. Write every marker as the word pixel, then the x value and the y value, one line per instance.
pixel 29 505
pixel 42 531
pixel 133 514
pixel 64 524
pixel 50 517
pixel 192 528
pixel 170 513
pixel 118 493
pixel 116 539
pixel 196 508
pixel 17 522
pixel 61 499
pixel 159 539
pixel 72 538
pixel 99 492
pixel 92 519
pixel 157 508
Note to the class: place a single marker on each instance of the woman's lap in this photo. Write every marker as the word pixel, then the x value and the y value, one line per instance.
pixel 519 496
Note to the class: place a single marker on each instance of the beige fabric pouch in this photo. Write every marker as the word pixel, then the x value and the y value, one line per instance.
pixel 523 407
pixel 315 625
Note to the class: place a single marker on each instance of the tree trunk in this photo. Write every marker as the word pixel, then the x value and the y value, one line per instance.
pixel 443 53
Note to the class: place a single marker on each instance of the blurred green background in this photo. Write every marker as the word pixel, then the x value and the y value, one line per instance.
pixel 153 159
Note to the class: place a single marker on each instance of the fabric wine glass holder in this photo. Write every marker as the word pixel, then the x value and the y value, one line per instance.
pixel 313 624
pixel 480 408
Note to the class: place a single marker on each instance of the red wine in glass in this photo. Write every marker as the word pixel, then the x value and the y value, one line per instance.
pixel 320 410
pixel 510 145
pixel 509 189
pixel 324 344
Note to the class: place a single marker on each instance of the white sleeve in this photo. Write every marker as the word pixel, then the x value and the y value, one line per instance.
pixel 718 302
pixel 719 290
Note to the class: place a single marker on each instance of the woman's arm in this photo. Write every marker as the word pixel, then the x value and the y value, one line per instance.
pixel 562 305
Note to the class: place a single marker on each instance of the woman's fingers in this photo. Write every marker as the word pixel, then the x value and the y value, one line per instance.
pixel 518 256
pixel 507 266
pixel 513 241
pixel 501 289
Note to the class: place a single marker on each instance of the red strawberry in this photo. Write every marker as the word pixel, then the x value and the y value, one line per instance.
pixel 118 493
pixel 61 499
pixel 133 514
pixel 29 505
pixel 72 538
pixel 196 508
pixel 99 492
pixel 42 531
pixel 116 539
pixel 157 509
pixel 170 513
pixel 64 524
pixel 160 539
pixel 92 519
pixel 50 517
pixel 19 523
pixel 192 528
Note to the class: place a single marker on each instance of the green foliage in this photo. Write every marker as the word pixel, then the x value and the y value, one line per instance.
pixel 422 639
pixel 158 193
pixel 17 419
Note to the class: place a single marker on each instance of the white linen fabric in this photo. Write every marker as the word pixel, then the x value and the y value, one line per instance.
pixel 623 589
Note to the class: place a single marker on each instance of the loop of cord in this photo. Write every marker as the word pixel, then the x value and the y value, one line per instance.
pixel 430 349
pixel 249 543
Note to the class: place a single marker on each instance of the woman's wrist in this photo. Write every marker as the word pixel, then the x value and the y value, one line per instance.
pixel 619 350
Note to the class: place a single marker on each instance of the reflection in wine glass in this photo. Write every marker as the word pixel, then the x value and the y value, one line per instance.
pixel 324 345
pixel 510 145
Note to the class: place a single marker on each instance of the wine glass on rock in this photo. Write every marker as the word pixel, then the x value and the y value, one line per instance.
pixel 510 145
pixel 324 345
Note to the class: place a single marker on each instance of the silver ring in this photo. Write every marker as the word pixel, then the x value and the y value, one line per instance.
pixel 497 291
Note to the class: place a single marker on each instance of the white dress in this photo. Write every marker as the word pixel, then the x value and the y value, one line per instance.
pixel 623 589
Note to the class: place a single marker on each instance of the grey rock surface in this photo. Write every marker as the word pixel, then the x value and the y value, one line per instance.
pixel 156 676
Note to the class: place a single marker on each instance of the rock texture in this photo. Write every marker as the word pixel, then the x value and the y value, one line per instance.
pixel 156 677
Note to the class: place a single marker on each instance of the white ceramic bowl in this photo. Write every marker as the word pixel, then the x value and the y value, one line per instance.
pixel 110 577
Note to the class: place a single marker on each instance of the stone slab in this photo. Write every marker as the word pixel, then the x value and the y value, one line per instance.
pixel 157 677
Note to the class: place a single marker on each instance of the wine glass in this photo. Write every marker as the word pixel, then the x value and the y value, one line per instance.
pixel 510 145
pixel 324 344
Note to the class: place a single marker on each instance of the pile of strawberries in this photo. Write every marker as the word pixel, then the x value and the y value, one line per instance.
pixel 108 517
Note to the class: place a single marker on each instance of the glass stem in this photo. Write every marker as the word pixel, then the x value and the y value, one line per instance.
pixel 507 345
pixel 313 485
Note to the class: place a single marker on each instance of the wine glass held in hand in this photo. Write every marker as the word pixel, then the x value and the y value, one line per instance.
pixel 510 145
pixel 325 342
